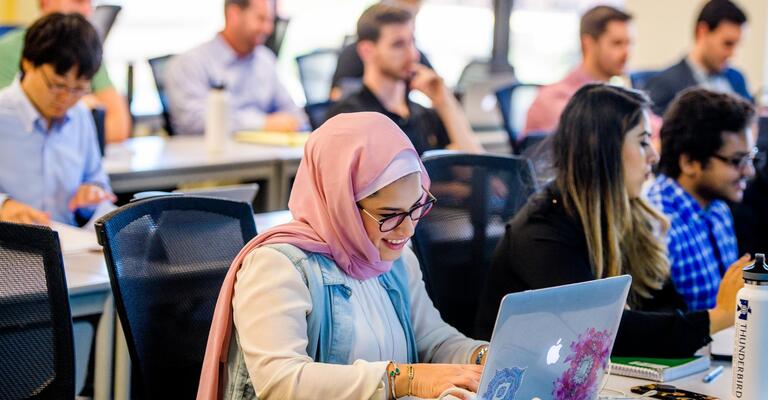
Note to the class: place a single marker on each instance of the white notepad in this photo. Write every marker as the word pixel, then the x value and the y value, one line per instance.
pixel 74 239
pixel 722 343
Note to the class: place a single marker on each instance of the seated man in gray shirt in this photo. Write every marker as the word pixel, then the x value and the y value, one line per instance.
pixel 236 58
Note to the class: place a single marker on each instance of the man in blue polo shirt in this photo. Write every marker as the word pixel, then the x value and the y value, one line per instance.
pixel 50 165
pixel 707 153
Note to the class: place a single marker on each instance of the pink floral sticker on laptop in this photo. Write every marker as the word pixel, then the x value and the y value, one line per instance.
pixel 589 355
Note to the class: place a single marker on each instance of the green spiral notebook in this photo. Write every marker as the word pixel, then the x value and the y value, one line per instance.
pixel 658 369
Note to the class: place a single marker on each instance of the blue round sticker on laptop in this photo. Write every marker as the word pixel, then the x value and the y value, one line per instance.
pixel 504 384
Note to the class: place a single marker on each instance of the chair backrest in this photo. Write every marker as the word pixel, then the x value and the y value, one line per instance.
pixel 99 114
pixel 318 112
pixel 762 133
pixel 476 195
pixel 316 73
pixel 37 358
pixel 639 79
pixel 167 257
pixel 275 40
pixel 245 193
pixel 157 65
pixel 104 16
pixel 513 102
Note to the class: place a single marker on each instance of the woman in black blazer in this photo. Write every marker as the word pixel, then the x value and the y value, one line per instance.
pixel 591 222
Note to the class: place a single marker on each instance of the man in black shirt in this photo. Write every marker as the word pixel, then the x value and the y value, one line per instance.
pixel 349 68
pixel 391 69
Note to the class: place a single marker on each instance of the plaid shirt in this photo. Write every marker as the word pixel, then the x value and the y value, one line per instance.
pixel 701 242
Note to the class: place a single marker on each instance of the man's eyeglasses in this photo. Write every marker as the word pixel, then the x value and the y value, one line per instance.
pixel 739 162
pixel 58 89
pixel 417 212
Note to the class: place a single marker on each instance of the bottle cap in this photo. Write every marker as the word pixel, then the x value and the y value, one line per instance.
pixel 757 271
pixel 217 85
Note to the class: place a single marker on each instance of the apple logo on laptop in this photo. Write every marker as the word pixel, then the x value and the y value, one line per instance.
pixel 554 352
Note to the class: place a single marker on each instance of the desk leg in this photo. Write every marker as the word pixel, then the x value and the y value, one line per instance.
pixel 274 188
pixel 287 173
pixel 105 335
pixel 122 367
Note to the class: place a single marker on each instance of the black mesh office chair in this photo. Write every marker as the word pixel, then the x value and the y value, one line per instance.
pixel 167 257
pixel 476 195
pixel 275 40
pixel 103 18
pixel 316 73
pixel 37 358
pixel 318 112
pixel 99 114
pixel 157 65
pixel 514 101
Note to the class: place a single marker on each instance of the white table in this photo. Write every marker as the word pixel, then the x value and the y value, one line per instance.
pixel 153 162
pixel 89 294
pixel 87 281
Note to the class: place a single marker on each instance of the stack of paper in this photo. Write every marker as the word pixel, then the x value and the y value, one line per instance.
pixel 292 139
pixel 75 240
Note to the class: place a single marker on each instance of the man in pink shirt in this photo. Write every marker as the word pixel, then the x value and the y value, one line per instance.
pixel 605 41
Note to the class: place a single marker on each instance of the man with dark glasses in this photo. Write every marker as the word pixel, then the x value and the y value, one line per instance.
pixel 707 157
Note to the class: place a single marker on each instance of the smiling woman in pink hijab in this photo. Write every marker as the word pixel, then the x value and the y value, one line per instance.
pixel 332 305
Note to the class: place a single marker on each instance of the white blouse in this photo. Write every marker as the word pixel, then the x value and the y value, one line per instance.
pixel 378 334
pixel 271 303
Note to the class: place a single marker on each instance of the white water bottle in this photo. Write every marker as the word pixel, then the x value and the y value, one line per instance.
pixel 750 351
pixel 216 119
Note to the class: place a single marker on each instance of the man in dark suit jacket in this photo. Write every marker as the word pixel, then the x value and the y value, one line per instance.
pixel 718 32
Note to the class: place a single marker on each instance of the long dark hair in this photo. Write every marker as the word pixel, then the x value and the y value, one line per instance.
pixel 622 233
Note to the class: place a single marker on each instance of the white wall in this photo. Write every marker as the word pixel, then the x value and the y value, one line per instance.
pixel 664 33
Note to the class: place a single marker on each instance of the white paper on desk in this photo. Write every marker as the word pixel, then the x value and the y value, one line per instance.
pixel 74 239
pixel 103 208
pixel 722 343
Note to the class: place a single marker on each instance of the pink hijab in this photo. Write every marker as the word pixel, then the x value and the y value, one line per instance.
pixel 342 158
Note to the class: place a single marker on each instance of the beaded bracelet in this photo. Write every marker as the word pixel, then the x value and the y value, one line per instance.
pixel 391 378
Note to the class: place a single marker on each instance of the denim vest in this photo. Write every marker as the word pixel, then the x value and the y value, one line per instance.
pixel 329 325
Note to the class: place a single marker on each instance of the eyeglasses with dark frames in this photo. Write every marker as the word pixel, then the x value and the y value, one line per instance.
pixel 417 212
pixel 740 162
pixel 58 89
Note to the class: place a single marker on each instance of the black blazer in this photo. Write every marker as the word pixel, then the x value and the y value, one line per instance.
pixel 543 246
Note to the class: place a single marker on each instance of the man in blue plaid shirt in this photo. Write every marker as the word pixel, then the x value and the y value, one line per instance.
pixel 707 154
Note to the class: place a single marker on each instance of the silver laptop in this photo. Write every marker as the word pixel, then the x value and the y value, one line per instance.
pixel 479 104
pixel 554 343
